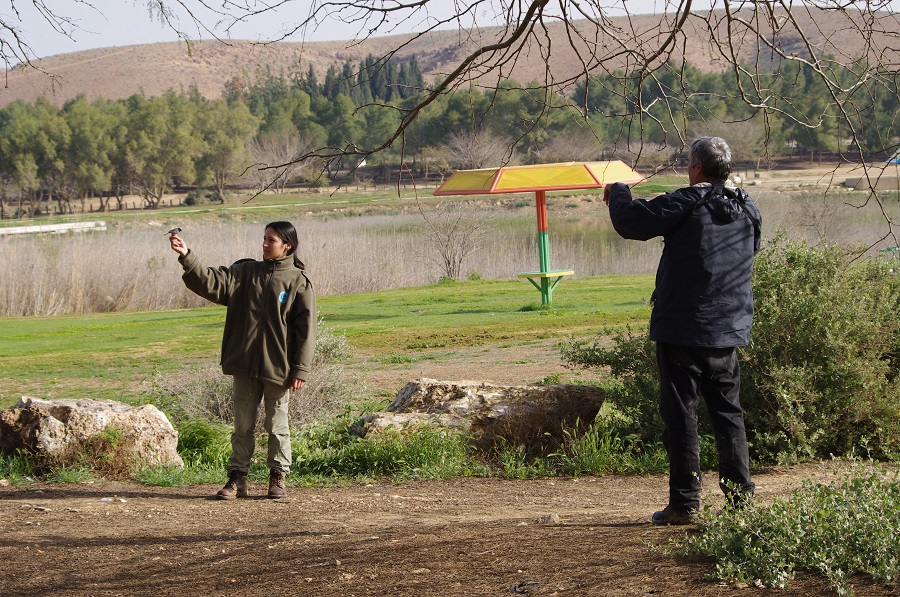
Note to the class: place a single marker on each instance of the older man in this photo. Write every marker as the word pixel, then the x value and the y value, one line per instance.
pixel 702 311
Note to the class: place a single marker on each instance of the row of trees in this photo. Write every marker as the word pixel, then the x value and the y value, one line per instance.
pixel 112 148
pixel 613 112
pixel 279 128
pixel 373 79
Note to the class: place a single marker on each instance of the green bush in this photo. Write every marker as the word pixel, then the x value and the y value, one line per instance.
pixel 632 394
pixel 820 373
pixel 203 197
pixel 203 442
pixel 334 450
pixel 17 467
pixel 819 377
pixel 849 526
pixel 606 448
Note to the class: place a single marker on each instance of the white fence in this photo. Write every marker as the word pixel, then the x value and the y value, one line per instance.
pixel 55 228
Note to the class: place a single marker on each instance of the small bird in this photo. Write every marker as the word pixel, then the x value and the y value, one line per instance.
pixel 174 231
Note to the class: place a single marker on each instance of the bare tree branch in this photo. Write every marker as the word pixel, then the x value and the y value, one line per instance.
pixel 603 44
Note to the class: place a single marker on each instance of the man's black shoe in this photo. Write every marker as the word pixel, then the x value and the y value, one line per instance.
pixel 674 516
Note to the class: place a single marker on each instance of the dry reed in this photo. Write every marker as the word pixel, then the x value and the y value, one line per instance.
pixel 130 267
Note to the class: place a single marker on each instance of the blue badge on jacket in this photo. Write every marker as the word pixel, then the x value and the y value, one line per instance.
pixel 282 298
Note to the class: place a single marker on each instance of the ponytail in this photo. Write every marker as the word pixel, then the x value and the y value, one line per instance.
pixel 288 235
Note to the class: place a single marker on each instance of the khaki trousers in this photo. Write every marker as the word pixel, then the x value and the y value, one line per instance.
pixel 248 393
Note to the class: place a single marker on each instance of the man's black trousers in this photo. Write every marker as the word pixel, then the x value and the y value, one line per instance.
pixel 685 373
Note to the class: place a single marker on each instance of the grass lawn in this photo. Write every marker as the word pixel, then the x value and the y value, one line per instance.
pixel 112 355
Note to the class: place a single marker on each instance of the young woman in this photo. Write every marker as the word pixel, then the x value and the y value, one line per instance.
pixel 267 344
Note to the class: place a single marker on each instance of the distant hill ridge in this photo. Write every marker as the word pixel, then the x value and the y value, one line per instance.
pixel 153 69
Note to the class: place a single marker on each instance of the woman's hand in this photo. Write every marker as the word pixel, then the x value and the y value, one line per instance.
pixel 178 245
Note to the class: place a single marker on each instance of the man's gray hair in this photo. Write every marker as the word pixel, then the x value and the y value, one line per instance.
pixel 714 154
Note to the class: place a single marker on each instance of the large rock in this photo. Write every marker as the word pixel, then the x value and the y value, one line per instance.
pixel 53 428
pixel 519 414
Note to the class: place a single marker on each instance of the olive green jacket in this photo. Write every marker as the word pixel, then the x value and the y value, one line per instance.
pixel 270 323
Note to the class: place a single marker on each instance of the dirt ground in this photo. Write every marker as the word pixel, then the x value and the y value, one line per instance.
pixel 585 536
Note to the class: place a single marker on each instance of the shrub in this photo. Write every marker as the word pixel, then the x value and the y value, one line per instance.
pixel 204 392
pixel 204 443
pixel 632 396
pixel 202 197
pixel 334 450
pixel 17 467
pixel 820 374
pixel 197 392
pixel 604 448
pixel 835 530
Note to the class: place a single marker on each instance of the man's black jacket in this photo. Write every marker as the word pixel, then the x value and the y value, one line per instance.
pixel 703 296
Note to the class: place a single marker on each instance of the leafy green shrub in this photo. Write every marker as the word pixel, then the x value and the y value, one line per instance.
pixel 604 449
pixel 632 396
pixel 204 442
pixel 514 461
pixel 319 182
pixel 334 450
pixel 17 467
pixel 550 380
pixel 820 374
pixel 202 197
pixel 836 530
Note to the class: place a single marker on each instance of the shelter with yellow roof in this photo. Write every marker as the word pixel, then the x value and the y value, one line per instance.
pixel 539 178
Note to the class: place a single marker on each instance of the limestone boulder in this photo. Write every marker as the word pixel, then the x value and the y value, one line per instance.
pixel 51 428
pixel 525 414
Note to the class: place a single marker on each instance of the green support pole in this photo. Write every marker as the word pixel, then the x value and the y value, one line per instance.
pixel 548 278
pixel 543 247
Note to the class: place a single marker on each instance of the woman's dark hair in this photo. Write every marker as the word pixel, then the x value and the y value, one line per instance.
pixel 288 235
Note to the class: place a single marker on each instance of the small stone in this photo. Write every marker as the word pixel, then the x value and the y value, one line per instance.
pixel 549 519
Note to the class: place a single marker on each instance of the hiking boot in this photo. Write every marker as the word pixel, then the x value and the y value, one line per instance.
pixel 276 485
pixel 674 516
pixel 236 486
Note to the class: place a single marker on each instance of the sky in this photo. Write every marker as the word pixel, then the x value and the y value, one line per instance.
pixel 128 22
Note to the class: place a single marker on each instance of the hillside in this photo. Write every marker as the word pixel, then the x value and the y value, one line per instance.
pixel 152 69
